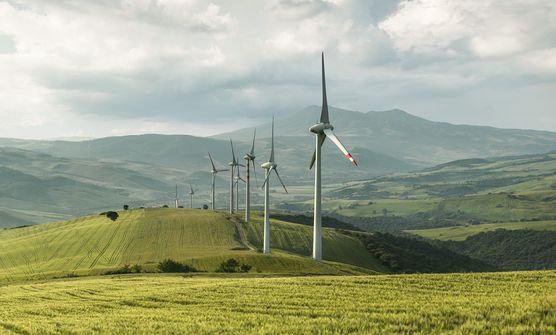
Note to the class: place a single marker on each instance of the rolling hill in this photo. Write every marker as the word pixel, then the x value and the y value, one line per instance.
pixel 458 193
pixel 203 239
pixel 95 244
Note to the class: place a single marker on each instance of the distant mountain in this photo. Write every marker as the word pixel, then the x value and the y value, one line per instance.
pixel 407 137
pixel 37 187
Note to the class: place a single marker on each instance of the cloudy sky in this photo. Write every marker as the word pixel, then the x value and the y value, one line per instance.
pixel 108 67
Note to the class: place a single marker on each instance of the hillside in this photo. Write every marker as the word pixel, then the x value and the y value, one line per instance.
pixel 460 233
pixel 509 250
pixel 459 193
pixel 37 187
pixel 95 244
pixel 493 303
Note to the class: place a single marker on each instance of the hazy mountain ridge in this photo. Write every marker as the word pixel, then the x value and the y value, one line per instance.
pixel 410 138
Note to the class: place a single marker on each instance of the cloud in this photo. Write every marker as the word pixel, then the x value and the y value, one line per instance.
pixel 194 62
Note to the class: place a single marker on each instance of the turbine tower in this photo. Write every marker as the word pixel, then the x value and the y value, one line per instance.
pixel 237 179
pixel 191 193
pixel 322 130
pixel 233 164
pixel 176 199
pixel 214 171
pixel 250 158
pixel 269 167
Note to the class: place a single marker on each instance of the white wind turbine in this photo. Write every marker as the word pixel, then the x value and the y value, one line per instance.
pixel 237 180
pixel 269 167
pixel 214 171
pixel 191 194
pixel 322 130
pixel 233 164
pixel 250 158
pixel 176 198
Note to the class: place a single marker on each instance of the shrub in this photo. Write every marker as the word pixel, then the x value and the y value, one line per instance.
pixel 112 215
pixel 233 265
pixel 170 265
pixel 126 269
pixel 126 207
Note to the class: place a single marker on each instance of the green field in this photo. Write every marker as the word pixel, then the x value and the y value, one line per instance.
pixel 460 233
pixel 486 303
pixel 95 244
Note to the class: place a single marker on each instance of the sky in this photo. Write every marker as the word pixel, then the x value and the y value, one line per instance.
pixel 108 67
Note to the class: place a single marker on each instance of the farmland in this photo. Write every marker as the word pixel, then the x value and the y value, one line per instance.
pixel 416 304
pixel 94 245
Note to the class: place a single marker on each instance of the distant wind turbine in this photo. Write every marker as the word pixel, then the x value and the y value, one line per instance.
pixel 214 171
pixel 176 199
pixel 237 180
pixel 191 194
pixel 269 167
pixel 250 158
pixel 233 164
pixel 322 130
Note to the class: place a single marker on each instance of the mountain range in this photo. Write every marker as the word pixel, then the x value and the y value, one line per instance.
pixel 45 180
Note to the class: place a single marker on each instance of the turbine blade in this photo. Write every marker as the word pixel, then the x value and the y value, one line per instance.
pixel 233 154
pixel 268 176
pixel 339 144
pixel 191 187
pixel 280 179
pixel 255 174
pixel 314 153
pixel 272 143
pixel 253 146
pixel 212 163
pixel 324 112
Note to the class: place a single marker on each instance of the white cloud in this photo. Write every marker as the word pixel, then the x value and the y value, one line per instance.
pixel 184 62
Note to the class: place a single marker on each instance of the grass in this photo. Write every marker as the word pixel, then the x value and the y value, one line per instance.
pixel 485 303
pixel 93 245
pixel 460 233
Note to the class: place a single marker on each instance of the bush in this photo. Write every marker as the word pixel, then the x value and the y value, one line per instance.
pixel 169 265
pixel 126 269
pixel 126 207
pixel 233 265
pixel 112 215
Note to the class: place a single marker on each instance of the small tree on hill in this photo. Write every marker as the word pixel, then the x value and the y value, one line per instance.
pixel 126 207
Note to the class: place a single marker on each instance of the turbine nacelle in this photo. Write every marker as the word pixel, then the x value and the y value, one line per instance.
pixel 249 157
pixel 320 127
pixel 269 165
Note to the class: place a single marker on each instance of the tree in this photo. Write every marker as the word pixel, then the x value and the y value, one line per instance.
pixel 231 265
pixel 112 215
pixel 126 207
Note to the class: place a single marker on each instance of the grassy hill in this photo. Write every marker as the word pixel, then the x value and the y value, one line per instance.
pixel 460 233
pixel 95 244
pixel 502 189
pixel 483 303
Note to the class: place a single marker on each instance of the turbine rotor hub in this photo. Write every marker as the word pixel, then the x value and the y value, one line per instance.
pixel 320 127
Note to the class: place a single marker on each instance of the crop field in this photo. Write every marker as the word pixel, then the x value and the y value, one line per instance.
pixel 486 303
pixel 95 244
pixel 460 233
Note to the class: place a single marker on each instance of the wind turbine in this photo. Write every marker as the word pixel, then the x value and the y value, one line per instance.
pixel 214 171
pixel 322 130
pixel 250 158
pixel 176 199
pixel 237 179
pixel 269 167
pixel 232 165
pixel 191 193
